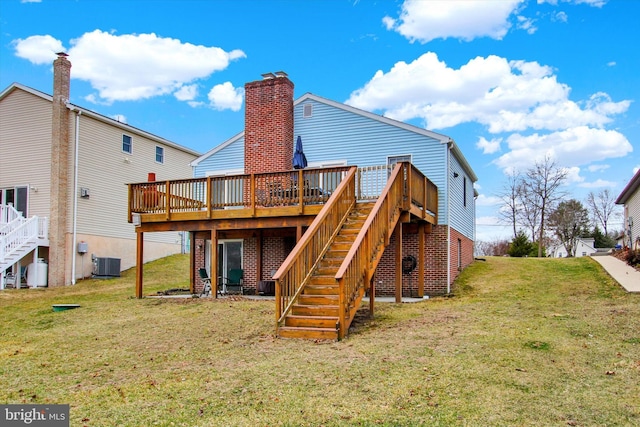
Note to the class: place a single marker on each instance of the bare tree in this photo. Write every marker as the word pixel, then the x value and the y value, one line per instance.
pixel 511 196
pixel 529 211
pixel 569 221
pixel 603 207
pixel 543 182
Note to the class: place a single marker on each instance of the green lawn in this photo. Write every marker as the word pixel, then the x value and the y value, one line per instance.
pixel 523 342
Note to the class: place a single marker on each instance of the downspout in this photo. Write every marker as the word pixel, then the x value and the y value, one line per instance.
pixel 75 197
pixel 446 191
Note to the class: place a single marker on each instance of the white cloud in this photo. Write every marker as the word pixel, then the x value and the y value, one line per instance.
pixel 424 21
pixel 503 95
pixel 594 3
pixel 599 183
pixel 186 93
pixel 225 97
pixel 131 66
pixel 611 64
pixel 572 147
pixel 561 17
pixel 483 200
pixel 38 49
pixel 489 147
pixel 597 168
pixel 119 117
pixel 526 24
pixel 30 1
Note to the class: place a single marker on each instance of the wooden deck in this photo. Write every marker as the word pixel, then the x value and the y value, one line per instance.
pixel 320 200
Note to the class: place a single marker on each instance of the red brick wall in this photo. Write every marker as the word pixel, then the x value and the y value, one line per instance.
pixel 466 258
pixel 435 262
pixel 268 128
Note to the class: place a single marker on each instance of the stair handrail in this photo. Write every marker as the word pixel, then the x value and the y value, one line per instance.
pixel 17 237
pixel 299 266
pixel 357 268
pixel 9 214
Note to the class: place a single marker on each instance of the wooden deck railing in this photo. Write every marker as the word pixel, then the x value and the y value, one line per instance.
pixel 203 196
pixel 356 270
pixel 302 261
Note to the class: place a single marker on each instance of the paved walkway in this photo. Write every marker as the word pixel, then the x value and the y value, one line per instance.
pixel 627 276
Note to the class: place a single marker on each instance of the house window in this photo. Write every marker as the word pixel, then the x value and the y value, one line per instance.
pixel 16 197
pixel 459 254
pixel 464 191
pixel 126 144
pixel 307 110
pixel 159 154
pixel 392 160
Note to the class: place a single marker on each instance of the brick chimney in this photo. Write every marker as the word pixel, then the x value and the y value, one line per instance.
pixel 268 128
pixel 59 210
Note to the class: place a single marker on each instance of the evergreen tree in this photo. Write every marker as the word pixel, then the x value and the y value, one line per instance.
pixel 520 246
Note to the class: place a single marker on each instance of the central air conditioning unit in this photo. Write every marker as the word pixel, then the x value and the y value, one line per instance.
pixel 106 267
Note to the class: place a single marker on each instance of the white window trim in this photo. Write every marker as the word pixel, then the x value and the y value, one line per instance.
pixel 130 144
pixel 400 155
pixel 155 154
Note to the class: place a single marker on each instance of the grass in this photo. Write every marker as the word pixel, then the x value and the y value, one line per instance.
pixel 524 342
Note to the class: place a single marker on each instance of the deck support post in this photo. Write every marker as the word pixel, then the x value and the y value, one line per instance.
pixel 214 262
pixel 139 263
pixel 372 296
pixel 192 262
pixel 421 245
pixel 399 262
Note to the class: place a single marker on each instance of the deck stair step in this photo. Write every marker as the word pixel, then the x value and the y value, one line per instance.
pixel 315 310
pixel 308 333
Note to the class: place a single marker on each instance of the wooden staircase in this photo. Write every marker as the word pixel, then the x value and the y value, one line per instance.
pixel 320 286
pixel 316 313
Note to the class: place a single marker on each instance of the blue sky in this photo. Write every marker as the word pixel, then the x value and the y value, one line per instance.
pixel 509 80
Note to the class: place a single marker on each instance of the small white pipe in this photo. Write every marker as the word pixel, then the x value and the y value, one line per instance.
pixel 75 200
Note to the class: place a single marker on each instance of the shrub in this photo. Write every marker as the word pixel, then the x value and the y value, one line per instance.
pixel 520 246
pixel 632 257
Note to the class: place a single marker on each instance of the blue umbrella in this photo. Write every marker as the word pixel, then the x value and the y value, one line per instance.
pixel 299 159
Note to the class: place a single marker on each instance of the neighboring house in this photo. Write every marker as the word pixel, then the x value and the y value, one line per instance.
pixel 585 246
pixel 336 134
pixel 630 198
pixel 84 207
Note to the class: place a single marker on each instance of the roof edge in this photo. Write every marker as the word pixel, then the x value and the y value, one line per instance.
pixel 630 188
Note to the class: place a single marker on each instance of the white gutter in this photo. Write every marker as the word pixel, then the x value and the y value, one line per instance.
pixel 75 198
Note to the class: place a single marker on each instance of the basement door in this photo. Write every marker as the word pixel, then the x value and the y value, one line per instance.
pixel 229 256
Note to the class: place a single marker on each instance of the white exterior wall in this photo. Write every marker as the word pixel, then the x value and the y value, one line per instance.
pixel 25 144
pixel 25 147
pixel 632 209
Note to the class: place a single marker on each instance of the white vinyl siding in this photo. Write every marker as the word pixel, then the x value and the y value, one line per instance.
pixel 632 209
pixel 25 147
pixel 105 212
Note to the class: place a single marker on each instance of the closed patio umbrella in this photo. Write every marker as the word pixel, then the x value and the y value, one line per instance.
pixel 299 159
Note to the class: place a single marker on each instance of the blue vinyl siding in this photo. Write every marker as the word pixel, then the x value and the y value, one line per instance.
pixel 228 158
pixel 335 134
pixel 462 217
